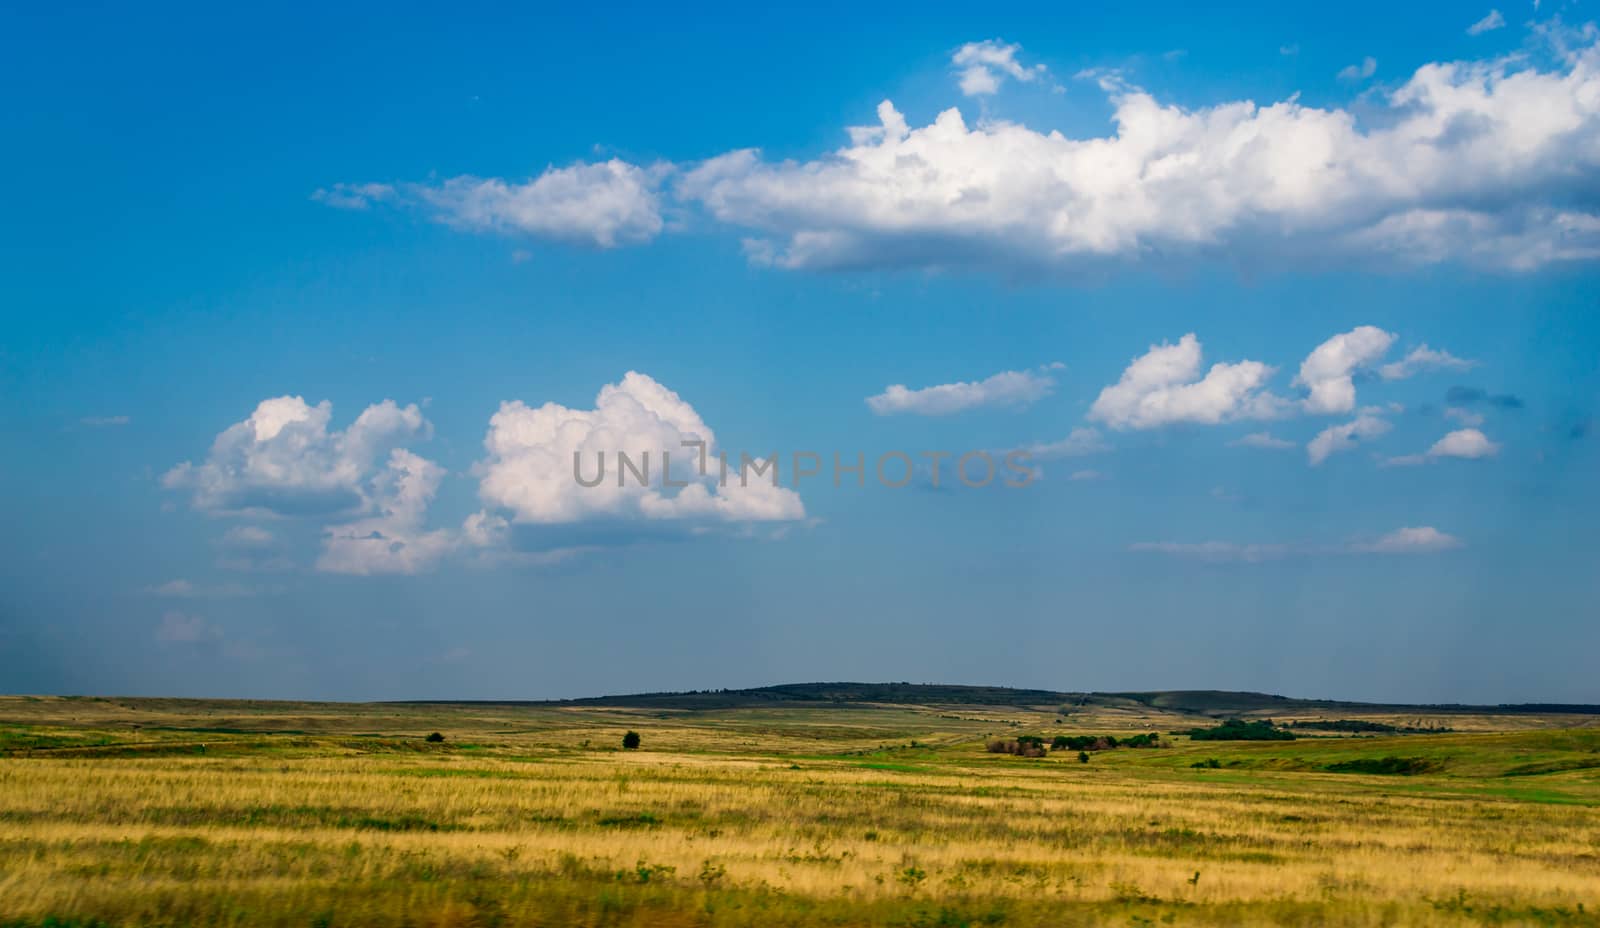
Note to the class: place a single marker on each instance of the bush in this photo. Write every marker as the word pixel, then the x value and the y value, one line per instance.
pixel 630 741
pixel 1022 747
pixel 434 738
pixel 1083 757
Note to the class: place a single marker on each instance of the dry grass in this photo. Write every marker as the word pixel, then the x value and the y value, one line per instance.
pixel 342 815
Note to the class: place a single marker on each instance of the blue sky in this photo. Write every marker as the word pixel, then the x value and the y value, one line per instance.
pixel 1302 348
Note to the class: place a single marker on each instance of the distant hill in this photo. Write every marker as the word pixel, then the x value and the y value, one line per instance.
pixel 1214 703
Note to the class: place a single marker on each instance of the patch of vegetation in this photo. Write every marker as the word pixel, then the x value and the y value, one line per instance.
pixel 1025 746
pixel 1386 766
pixel 1240 730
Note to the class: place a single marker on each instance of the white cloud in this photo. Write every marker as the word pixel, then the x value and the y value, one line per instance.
pixel 1422 359
pixel 353 196
pixel 1164 386
pixel 393 539
pixel 1007 388
pixel 1420 540
pixel 1484 162
pixel 185 589
pixel 1262 440
pixel 1336 438
pixel 1215 550
pixel 1357 72
pixel 1328 373
pixel 101 422
pixel 529 469
pixel 247 537
pixel 604 204
pixel 983 66
pixel 1470 444
pixel 1464 443
pixel 1078 443
pixel 284 461
pixel 252 548
pixel 1489 23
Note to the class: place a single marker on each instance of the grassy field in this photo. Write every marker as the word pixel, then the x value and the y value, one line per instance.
pixel 167 812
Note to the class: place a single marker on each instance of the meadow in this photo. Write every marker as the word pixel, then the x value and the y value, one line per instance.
pixel 135 812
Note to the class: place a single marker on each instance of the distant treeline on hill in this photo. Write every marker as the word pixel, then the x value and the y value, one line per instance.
pixel 1362 726
pixel 1215 703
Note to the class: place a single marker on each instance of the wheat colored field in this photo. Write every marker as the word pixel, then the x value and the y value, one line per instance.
pixel 161 812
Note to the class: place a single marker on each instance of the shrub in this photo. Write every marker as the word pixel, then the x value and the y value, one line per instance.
pixel 1083 757
pixel 1022 747
pixel 434 738
pixel 630 741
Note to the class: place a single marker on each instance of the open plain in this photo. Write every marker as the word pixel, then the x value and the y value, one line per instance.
pixel 803 807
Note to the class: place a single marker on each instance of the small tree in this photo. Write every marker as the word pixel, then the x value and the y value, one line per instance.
pixel 435 738
pixel 630 741
pixel 1083 757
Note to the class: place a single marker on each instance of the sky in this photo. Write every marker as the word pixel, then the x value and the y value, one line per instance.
pixel 1284 321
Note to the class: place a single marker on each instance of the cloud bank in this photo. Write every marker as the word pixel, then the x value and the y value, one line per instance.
pixel 1490 163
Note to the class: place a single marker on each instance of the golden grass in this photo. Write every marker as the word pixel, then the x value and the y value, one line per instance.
pixel 300 815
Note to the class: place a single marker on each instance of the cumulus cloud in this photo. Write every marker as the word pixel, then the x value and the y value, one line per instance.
pixel 1489 23
pixel 1423 539
pixel 1464 443
pixel 283 460
pixel 1486 162
pixel 1163 386
pixel 604 204
pixel 1328 373
pixel 1469 444
pixel 1422 359
pixel 1007 388
pixel 983 66
pixel 393 539
pixel 1336 438
pixel 529 467
pixel 1262 440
